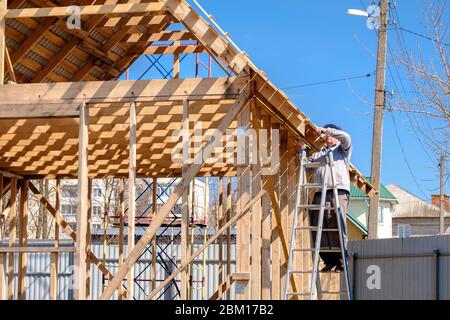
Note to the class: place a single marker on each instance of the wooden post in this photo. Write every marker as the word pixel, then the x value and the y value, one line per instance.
pixel 23 222
pixel 283 199
pixel 121 222
pixel 185 203
pixel 275 240
pixel 265 224
pixel 2 255
pixel 131 197
pixel 12 237
pixel 82 208
pixel 229 208
pixel 88 241
pixel 255 279
pixel 154 210
pixel 243 227
pixel 176 61
pixel 220 215
pixel 3 7
pixel 54 255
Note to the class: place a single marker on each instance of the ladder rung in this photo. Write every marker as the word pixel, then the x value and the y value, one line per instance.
pixel 312 186
pixel 300 271
pixel 314 207
pixel 315 228
pixel 315 165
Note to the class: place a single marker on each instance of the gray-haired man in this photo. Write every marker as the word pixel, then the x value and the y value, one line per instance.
pixel 340 144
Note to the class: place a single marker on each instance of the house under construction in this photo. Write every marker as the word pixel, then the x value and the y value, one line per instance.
pixel 65 115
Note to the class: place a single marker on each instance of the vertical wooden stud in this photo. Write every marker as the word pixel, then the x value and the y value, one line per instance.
pixel 23 223
pixel 131 197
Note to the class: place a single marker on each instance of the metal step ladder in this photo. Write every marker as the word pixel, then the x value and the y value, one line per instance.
pixel 304 205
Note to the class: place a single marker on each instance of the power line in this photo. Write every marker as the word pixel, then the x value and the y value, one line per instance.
pixel 422 36
pixel 368 75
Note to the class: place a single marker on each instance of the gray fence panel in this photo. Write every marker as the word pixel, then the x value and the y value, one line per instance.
pixel 408 268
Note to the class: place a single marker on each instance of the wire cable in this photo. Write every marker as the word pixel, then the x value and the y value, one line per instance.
pixel 368 75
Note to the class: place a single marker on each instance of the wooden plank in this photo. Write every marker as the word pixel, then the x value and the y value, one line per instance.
pixel 2 276
pixel 54 255
pixel 83 10
pixel 220 217
pixel 12 75
pixel 125 91
pixel 32 249
pixel 176 50
pixel 256 215
pixel 223 287
pixel 82 204
pixel 170 203
pixel 88 240
pixel 176 59
pixel 228 214
pixel 242 227
pixel 275 235
pixel 265 224
pixel 12 237
pixel 121 221
pixel 184 277
pixel 131 198
pixel 283 201
pixel 31 110
pixel 206 35
pixel 3 48
pixel 154 248
pixel 239 215
pixel 23 224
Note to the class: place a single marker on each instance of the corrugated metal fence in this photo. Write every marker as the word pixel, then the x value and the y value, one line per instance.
pixel 401 269
pixel 38 273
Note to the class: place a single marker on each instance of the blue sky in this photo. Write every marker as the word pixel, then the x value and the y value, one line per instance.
pixel 300 42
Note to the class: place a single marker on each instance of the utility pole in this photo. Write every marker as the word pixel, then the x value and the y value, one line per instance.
pixel 378 119
pixel 441 200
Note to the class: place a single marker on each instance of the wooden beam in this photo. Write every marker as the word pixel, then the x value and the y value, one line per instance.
pixel 256 216
pixel 23 224
pixel 176 58
pixel 185 204
pixel 104 9
pixel 9 64
pixel 3 10
pixel 265 219
pixel 54 255
pixel 176 50
pixel 82 204
pixel 220 218
pixel 206 35
pixel 131 198
pixel 228 214
pixel 222 288
pixel 2 255
pixel 121 221
pixel 154 248
pixel 88 239
pixel 31 110
pixel 219 233
pixel 32 249
pixel 170 203
pixel 12 237
pixel 118 91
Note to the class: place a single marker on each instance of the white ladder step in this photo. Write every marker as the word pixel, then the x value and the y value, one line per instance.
pixel 312 186
pixel 314 165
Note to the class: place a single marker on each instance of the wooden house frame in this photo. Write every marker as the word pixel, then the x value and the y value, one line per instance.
pixel 64 115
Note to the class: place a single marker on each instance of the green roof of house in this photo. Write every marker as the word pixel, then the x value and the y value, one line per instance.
pixel 357 222
pixel 384 193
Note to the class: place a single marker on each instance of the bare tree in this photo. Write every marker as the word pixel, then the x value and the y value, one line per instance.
pixel 429 77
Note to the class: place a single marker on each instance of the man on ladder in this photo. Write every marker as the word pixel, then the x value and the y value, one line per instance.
pixel 339 144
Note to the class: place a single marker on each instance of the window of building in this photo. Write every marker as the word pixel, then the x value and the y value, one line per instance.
pixel 380 215
pixel 97 192
pixel 96 210
pixel 68 209
pixel 70 191
pixel 404 230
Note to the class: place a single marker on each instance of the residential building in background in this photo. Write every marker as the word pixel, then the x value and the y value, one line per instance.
pixel 415 217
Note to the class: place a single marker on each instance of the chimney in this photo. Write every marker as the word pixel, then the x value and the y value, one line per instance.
pixel 436 198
